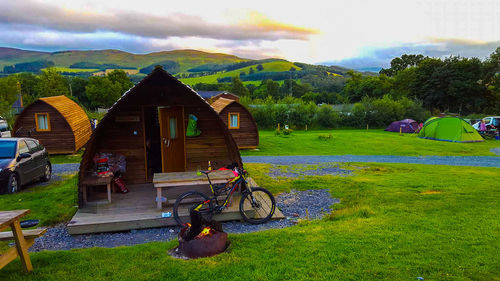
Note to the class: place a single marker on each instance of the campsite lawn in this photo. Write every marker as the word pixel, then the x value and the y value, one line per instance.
pixel 394 222
pixel 51 204
pixel 66 158
pixel 364 142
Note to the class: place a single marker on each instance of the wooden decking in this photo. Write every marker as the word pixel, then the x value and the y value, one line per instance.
pixel 135 210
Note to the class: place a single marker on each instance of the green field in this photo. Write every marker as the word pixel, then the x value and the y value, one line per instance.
pixel 395 222
pixel 74 70
pixel 364 142
pixel 275 66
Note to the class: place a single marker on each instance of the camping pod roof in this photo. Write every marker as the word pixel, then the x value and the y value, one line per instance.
pixel 221 103
pixel 74 115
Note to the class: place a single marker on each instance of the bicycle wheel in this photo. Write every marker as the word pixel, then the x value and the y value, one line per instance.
pixel 257 206
pixel 187 202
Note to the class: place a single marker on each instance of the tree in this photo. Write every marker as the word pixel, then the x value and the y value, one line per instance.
pixel 272 88
pixel 260 67
pixel 78 85
pixel 402 63
pixel 9 89
pixel 29 89
pixel 238 88
pixel 102 92
pixel 51 83
pixel 491 80
pixel 119 76
pixel 251 71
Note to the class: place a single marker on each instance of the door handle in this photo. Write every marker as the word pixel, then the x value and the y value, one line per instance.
pixel 166 142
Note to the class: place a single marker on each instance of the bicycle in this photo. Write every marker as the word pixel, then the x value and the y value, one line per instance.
pixel 257 205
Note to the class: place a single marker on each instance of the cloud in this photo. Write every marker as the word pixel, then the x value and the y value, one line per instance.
pixel 51 17
pixel 437 47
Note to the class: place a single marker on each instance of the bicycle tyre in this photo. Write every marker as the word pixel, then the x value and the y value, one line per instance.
pixel 193 199
pixel 263 206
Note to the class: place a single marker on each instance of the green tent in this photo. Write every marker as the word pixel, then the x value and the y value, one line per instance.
pixel 452 129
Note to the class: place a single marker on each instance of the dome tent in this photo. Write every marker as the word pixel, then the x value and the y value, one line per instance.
pixel 449 128
pixel 406 126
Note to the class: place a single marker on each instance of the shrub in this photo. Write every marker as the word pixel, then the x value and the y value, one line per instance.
pixel 287 132
pixel 325 137
pixel 326 117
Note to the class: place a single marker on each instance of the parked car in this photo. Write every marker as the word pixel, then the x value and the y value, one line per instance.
pixel 489 121
pixel 4 129
pixel 22 160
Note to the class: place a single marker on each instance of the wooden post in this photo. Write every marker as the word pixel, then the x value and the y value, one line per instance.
pixel 400 131
pixel 306 127
pixel 278 127
pixel 367 127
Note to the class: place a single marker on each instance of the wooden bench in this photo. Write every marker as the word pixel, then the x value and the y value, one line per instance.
pixel 11 219
pixel 176 179
pixel 29 236
pixel 96 181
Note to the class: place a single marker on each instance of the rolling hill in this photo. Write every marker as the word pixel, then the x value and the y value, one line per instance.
pixel 190 66
pixel 186 58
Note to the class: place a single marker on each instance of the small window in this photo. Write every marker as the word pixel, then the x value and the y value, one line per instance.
pixel 173 128
pixel 42 122
pixel 234 120
pixel 23 148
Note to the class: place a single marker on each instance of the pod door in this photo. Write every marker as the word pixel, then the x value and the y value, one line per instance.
pixel 172 139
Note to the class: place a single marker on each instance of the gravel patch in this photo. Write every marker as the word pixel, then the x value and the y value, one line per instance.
pixel 293 205
pixel 477 161
pixel 496 150
pixel 299 171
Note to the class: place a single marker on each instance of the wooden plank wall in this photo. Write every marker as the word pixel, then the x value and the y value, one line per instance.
pixel 119 137
pixel 247 136
pixel 59 139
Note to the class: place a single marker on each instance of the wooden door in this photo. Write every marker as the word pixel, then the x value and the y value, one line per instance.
pixel 172 139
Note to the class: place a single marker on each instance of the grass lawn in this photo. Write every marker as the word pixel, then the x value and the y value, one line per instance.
pixel 51 204
pixel 363 142
pixel 66 158
pixel 394 222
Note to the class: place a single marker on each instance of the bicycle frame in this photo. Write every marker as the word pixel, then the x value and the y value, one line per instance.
pixel 240 179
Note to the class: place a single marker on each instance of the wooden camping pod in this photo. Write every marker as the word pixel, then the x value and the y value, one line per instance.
pixel 130 128
pixel 59 123
pixel 244 128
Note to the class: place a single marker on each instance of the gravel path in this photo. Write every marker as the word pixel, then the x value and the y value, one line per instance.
pixel 479 161
pixel 293 205
pixel 496 150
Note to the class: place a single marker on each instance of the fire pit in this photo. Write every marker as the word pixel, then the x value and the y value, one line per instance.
pixel 200 239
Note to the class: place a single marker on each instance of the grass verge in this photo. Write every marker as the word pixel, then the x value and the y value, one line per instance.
pixel 394 222
pixel 364 142
pixel 51 204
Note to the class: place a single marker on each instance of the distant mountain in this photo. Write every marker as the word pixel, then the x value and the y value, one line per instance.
pixel 191 66
pixel 186 58
pixel 370 69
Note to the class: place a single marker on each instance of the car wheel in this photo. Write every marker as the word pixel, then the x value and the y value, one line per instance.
pixel 47 172
pixel 13 184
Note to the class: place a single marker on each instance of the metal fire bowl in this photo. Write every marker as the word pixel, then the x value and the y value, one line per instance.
pixel 206 246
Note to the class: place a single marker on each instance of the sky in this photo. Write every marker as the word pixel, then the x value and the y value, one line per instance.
pixel 354 33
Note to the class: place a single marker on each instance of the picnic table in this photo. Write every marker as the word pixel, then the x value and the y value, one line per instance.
pixel 23 239
pixel 161 180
